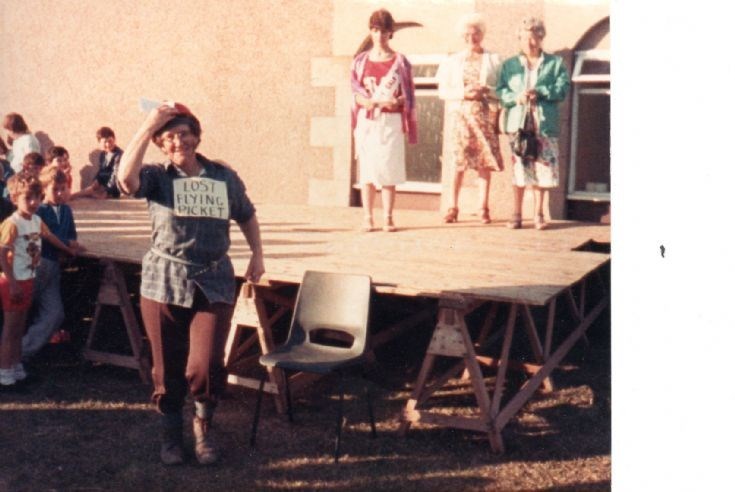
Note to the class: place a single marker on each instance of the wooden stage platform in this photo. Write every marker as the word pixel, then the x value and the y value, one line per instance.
pixel 463 265
pixel 423 258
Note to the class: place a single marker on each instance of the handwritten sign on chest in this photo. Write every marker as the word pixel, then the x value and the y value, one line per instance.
pixel 201 197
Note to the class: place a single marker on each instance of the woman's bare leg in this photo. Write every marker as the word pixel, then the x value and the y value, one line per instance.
pixel 515 221
pixel 540 195
pixel 456 187
pixel 453 211
pixel 388 195
pixel 483 176
pixel 367 194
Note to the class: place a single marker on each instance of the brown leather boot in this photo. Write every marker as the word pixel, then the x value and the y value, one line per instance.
pixel 172 452
pixel 204 447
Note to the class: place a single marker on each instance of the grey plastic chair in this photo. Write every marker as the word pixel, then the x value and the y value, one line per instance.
pixel 328 333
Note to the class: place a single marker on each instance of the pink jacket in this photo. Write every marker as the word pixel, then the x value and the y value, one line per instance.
pixel 410 126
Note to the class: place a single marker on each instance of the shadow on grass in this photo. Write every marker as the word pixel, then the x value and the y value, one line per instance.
pixel 92 428
pixel 84 427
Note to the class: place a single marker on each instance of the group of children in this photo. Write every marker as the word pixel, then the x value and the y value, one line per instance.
pixel 37 230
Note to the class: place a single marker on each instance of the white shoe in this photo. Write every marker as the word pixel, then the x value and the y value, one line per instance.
pixel 19 372
pixel 7 377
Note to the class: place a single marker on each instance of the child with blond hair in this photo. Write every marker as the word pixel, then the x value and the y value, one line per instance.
pixel 20 254
pixel 58 217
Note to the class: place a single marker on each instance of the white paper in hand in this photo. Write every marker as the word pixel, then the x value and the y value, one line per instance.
pixel 148 105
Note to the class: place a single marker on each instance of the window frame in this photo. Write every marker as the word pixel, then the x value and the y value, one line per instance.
pixel 579 80
pixel 425 59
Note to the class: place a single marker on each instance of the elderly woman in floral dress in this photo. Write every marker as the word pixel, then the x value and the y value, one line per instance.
pixel 467 83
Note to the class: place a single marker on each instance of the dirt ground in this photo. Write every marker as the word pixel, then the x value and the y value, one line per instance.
pixel 77 427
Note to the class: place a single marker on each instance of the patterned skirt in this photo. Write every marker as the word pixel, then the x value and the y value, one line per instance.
pixel 544 172
pixel 475 137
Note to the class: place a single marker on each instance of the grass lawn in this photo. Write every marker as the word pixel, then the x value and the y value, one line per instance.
pixel 90 427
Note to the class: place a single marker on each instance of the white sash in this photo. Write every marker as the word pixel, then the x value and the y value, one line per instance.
pixel 385 91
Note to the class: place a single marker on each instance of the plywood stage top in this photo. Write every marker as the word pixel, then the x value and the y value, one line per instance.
pixel 423 258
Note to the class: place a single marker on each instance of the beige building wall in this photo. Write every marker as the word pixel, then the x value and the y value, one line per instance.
pixel 243 67
pixel 567 21
pixel 267 78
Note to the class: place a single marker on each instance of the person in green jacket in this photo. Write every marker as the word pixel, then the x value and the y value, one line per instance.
pixel 533 81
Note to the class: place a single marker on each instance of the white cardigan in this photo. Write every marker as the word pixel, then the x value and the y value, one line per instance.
pixel 451 71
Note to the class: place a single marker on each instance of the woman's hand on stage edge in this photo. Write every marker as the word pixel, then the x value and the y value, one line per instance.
pixel 256 268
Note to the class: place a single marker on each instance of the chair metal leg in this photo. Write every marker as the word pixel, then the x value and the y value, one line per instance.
pixel 256 415
pixel 369 397
pixel 338 438
pixel 288 398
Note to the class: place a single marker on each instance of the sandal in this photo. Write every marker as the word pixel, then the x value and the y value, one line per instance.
pixel 485 215
pixel 367 224
pixel 539 222
pixel 451 216
pixel 388 225
pixel 514 222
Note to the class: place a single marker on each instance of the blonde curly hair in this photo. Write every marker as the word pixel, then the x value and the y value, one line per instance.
pixel 22 183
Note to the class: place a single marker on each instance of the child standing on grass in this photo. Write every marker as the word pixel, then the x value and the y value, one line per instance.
pixel 58 217
pixel 20 253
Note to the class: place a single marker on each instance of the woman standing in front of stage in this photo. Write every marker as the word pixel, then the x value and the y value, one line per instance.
pixel 383 110
pixel 188 282
pixel 467 82
pixel 534 81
